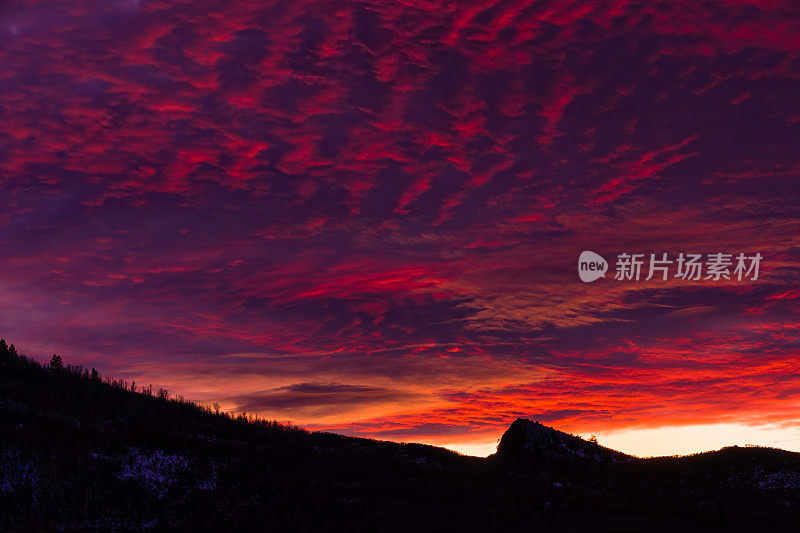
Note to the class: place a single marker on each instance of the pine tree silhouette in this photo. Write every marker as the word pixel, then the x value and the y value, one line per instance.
pixel 56 363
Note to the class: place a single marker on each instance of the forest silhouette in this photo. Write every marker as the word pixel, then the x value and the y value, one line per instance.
pixel 79 451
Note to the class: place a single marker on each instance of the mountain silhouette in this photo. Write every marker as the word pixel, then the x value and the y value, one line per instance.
pixel 80 453
pixel 525 438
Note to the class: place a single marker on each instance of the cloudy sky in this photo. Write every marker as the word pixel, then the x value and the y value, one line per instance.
pixel 365 216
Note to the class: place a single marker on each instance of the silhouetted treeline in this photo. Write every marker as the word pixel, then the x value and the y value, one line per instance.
pixel 82 453
pixel 10 359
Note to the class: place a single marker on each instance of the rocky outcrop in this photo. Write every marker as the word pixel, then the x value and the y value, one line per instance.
pixel 526 438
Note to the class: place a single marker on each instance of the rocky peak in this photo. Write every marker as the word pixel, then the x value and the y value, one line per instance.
pixel 530 438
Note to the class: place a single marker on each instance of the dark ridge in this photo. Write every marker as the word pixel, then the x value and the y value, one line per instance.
pixel 79 453
pixel 533 440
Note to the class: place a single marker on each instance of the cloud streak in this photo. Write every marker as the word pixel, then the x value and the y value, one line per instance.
pixel 364 216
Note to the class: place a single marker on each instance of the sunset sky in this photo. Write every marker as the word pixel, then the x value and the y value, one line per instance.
pixel 365 216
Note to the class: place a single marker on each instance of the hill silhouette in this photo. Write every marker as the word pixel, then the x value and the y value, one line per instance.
pixel 81 453
pixel 545 445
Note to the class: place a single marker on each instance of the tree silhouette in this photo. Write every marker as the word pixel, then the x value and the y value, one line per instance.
pixel 56 363
pixel 95 375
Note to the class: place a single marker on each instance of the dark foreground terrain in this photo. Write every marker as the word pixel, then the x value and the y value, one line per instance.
pixel 77 453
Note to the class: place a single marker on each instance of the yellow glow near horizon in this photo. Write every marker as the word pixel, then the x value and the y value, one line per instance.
pixel 683 440
pixel 476 449
pixel 671 440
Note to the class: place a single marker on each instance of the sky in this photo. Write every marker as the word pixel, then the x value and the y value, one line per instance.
pixel 365 216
